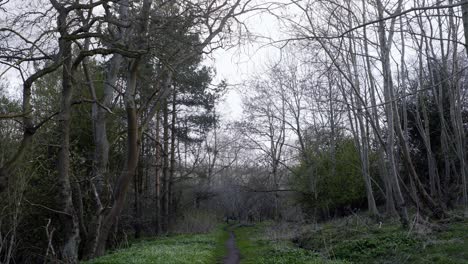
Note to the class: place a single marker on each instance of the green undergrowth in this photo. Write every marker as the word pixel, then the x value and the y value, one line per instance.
pixel 388 243
pixel 178 249
pixel 256 248
pixel 342 241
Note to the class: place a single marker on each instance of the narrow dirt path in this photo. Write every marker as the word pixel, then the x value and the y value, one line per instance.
pixel 233 255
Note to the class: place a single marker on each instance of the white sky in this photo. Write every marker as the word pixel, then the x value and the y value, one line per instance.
pixel 235 65
pixel 241 63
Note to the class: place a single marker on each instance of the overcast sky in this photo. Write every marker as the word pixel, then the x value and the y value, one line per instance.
pixel 239 64
pixel 235 65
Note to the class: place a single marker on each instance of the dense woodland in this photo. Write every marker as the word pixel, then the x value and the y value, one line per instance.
pixel 111 129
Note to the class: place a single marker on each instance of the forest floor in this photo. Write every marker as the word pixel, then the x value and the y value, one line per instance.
pixel 176 249
pixel 359 240
pixel 348 240
pixel 352 241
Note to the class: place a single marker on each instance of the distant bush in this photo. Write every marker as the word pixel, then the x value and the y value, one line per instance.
pixel 326 189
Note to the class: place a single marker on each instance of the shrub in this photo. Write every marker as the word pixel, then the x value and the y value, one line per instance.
pixel 325 191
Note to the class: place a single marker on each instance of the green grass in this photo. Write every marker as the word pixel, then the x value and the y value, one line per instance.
pixel 220 250
pixel 331 243
pixel 258 249
pixel 447 246
pixel 389 244
pixel 180 249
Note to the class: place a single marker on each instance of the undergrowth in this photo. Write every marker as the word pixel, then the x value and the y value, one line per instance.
pixel 179 249
pixel 334 242
pixel 257 248
pixel 387 243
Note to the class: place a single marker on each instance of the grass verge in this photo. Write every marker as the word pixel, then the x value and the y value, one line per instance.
pixel 343 241
pixel 179 249
pixel 255 248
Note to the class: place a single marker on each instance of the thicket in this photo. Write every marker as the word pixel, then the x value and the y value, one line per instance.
pixel 330 183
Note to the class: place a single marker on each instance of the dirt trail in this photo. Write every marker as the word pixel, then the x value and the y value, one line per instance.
pixel 233 255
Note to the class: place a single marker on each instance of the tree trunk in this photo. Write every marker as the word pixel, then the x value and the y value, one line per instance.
pixel 138 192
pixel 361 131
pixel 101 155
pixel 131 163
pixel 389 200
pixel 173 158
pixel 157 172
pixel 165 169
pixel 385 44
pixel 68 217
pixel 457 101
